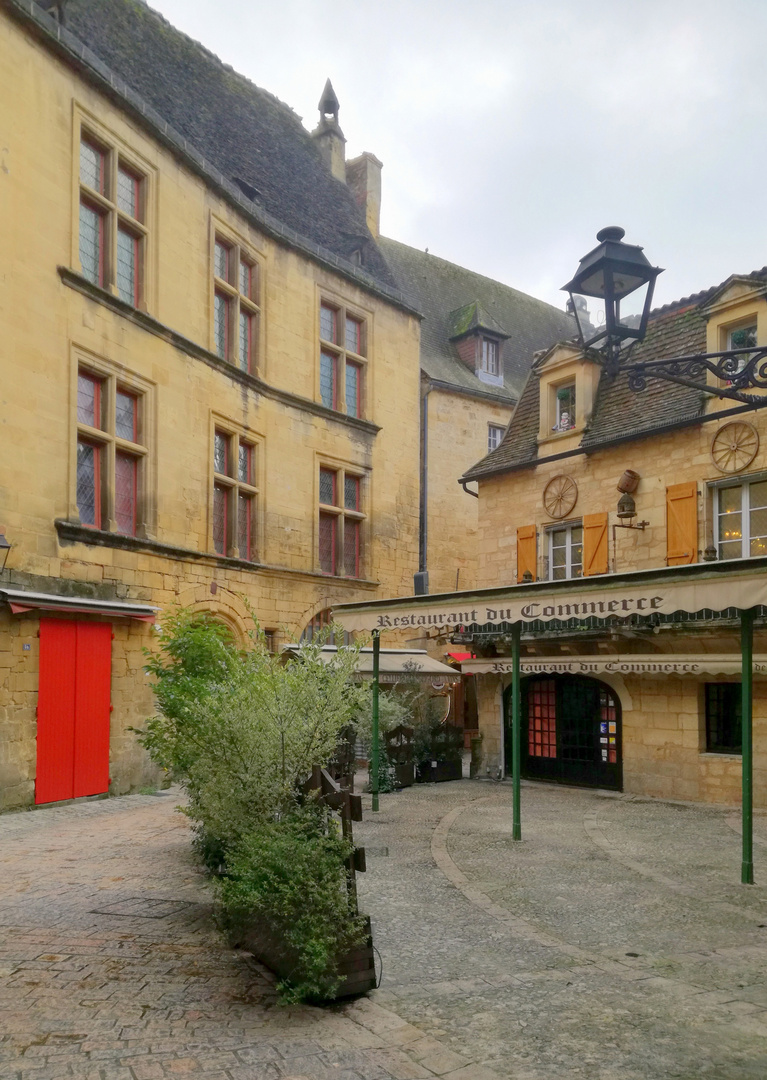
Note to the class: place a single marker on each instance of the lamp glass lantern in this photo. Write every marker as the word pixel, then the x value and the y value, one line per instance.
pixel 610 273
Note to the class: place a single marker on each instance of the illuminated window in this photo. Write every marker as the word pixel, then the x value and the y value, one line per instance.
pixel 235 496
pixel 342 360
pixel 236 308
pixel 112 229
pixel 111 453
pixel 740 517
pixel 566 552
pixel 340 523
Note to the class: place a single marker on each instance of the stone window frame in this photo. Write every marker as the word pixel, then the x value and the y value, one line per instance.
pixel 339 514
pixel 234 488
pixel 114 219
pixel 238 303
pixel 114 378
pixel 729 695
pixel 335 356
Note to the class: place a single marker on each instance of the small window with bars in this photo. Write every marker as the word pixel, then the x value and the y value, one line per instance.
pixel 111 453
pixel 236 304
pixel 340 522
pixel 235 496
pixel 112 220
pixel 342 360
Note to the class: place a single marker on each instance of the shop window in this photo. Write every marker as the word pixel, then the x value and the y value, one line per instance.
pixel 236 304
pixel 740 519
pixel 340 523
pixel 111 453
pixel 565 553
pixel 723 718
pixel 343 349
pixel 235 496
pixel 112 230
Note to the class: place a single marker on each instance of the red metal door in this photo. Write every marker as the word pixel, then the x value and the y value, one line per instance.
pixel 73 710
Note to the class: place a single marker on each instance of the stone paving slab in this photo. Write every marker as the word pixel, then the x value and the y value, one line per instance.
pixel 614 941
pixel 112 968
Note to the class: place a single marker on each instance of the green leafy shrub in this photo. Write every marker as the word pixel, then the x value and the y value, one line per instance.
pixel 292 874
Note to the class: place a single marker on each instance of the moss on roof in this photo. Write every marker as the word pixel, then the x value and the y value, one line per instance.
pixel 439 288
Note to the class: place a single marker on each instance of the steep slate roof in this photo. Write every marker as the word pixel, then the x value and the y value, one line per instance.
pixel 439 288
pixel 240 129
pixel 677 329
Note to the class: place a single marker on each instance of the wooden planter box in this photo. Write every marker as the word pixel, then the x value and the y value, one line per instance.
pixel 435 772
pixel 357 966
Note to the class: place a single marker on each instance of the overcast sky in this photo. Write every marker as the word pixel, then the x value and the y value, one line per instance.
pixel 512 130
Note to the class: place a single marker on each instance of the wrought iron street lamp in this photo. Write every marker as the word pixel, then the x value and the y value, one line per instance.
pixel 611 272
pixel 615 270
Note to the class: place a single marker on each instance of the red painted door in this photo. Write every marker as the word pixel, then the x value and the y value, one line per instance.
pixel 73 710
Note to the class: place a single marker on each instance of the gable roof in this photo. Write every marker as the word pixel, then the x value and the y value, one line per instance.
pixel 225 123
pixel 439 288
pixel 677 329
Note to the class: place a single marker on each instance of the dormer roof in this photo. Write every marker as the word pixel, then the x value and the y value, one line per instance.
pixel 470 319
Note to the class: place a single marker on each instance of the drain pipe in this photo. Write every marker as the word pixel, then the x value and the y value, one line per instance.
pixel 423 529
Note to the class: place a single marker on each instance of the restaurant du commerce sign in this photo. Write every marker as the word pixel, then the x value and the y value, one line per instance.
pixel 498 607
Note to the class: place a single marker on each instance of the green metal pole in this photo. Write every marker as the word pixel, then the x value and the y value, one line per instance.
pixel 374 748
pixel 516 736
pixel 746 676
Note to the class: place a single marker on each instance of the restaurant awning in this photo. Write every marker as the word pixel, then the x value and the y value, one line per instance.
pixel 396 665
pixel 703 586
pixel 625 664
pixel 21 601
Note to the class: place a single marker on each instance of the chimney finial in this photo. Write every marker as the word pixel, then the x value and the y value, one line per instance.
pixel 328 105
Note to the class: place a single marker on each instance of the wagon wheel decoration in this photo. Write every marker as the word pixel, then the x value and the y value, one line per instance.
pixel 734 446
pixel 559 496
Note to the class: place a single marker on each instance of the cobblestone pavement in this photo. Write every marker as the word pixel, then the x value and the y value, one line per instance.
pixel 614 942
pixel 111 967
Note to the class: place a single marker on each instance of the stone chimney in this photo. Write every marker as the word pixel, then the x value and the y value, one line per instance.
pixel 363 175
pixel 328 135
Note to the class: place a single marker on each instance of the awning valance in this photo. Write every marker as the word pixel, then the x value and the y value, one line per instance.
pixel 627 664
pixel 665 591
pixel 21 601
pixel 396 665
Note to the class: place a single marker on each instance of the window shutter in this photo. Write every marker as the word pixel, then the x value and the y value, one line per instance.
pixel 526 551
pixel 594 544
pixel 681 524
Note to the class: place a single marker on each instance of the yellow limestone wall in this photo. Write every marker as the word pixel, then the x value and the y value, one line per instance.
pixel 457 427
pixel 47 325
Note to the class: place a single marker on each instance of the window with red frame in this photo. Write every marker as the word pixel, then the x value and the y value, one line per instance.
pixel 112 230
pixel 340 523
pixel 342 365
pixel 235 496
pixel 109 453
pixel 235 305
pixel 542 719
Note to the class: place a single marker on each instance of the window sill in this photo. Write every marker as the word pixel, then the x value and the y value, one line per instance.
pixel 555 436
pixel 70 532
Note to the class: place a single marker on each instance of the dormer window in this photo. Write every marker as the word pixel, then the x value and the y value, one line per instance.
pixel 564 407
pixel 489 357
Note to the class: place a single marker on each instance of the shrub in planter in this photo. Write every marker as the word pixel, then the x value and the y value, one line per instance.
pixel 286 887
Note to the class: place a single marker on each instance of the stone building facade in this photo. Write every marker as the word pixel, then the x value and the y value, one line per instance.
pixel 210 385
pixel 665 690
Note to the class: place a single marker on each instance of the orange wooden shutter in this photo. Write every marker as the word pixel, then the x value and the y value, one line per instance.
pixel 594 544
pixel 526 551
pixel 681 524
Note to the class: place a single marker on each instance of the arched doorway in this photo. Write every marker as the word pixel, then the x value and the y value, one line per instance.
pixel 571 731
